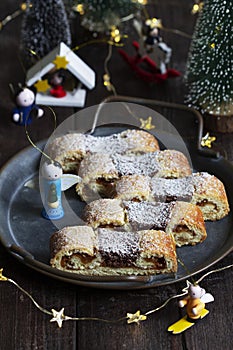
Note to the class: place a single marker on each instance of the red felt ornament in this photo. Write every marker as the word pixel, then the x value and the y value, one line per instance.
pixel 145 67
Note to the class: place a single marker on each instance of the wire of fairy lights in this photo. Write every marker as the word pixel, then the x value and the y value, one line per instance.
pixel 13 15
pixel 137 317
pixel 115 35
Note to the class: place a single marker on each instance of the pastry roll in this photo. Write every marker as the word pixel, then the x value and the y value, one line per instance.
pixel 82 250
pixel 182 219
pixel 133 187
pixel 105 212
pixel 202 189
pixel 69 149
pixel 100 171
pixel 71 244
pixel 210 195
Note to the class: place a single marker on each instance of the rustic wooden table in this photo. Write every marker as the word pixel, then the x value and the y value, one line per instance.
pixel 23 326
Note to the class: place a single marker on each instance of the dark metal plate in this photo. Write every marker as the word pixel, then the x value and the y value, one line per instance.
pixel 25 233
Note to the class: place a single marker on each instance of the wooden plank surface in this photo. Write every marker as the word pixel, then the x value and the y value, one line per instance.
pixel 23 327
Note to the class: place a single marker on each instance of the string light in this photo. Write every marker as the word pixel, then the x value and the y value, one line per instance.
pixel 15 14
pixel 141 2
pixel 79 8
pixel 137 317
pixel 115 34
pixel 154 23
pixel 197 7
pixel 106 77
pixel 107 82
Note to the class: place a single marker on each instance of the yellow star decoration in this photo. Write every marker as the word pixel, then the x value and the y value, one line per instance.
pixel 136 317
pixel 146 124
pixel 2 278
pixel 59 317
pixel 42 85
pixel 60 62
pixel 207 140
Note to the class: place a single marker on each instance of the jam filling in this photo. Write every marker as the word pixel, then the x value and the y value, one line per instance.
pixel 159 263
pixel 66 261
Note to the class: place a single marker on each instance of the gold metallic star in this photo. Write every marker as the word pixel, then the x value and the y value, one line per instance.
pixel 60 62
pixel 207 140
pixel 42 85
pixel 135 317
pixel 2 278
pixel 146 124
pixel 58 316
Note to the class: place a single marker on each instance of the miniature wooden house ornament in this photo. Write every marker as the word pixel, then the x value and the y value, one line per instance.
pixel 58 78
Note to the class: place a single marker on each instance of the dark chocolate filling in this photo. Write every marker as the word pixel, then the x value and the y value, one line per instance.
pixel 118 249
pixel 117 260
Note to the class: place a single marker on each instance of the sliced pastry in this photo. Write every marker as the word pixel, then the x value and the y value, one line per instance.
pixel 103 251
pixel 69 149
pixel 210 195
pixel 182 219
pixel 100 171
pixel 202 189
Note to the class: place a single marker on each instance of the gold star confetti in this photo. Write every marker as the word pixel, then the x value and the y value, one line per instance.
pixel 207 140
pixel 2 278
pixel 60 62
pixel 42 85
pixel 59 317
pixel 212 45
pixel 135 317
pixel 146 123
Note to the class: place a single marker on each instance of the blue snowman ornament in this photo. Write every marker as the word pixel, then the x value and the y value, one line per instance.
pixel 52 197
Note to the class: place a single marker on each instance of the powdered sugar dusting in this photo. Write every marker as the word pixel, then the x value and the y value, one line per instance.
pixel 129 141
pixel 124 243
pixel 145 164
pixel 74 236
pixel 172 189
pixel 146 215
